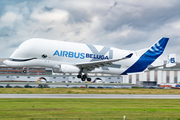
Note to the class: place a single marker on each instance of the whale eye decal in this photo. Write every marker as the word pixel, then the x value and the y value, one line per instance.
pixel 44 56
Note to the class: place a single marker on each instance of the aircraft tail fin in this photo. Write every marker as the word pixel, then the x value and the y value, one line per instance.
pixel 155 50
pixel 147 56
pixel 171 60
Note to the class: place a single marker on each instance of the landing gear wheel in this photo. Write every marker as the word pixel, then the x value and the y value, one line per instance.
pixel 78 76
pixel 24 71
pixel 83 79
pixel 84 76
pixel 89 79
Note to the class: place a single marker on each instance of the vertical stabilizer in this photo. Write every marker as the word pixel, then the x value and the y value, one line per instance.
pixel 148 56
pixel 171 60
pixel 156 50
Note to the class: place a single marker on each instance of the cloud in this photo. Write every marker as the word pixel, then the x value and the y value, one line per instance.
pixel 50 16
pixel 47 9
pixel 7 32
pixel 9 18
pixel 125 24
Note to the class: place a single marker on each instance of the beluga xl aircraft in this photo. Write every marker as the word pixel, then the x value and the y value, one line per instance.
pixel 69 57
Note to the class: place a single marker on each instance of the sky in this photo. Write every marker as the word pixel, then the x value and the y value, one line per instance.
pixel 124 24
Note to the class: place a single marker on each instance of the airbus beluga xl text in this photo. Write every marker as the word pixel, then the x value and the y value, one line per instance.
pixel 68 57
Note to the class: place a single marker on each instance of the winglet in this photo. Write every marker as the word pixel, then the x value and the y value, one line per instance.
pixel 129 56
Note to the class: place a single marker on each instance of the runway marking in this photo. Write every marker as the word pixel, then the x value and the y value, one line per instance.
pixel 102 96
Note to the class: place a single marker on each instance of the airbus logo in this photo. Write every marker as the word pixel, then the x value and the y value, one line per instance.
pixel 71 54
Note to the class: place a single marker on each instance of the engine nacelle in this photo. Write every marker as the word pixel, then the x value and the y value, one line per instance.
pixel 63 68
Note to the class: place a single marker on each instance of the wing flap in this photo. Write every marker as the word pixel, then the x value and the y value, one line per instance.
pixel 96 64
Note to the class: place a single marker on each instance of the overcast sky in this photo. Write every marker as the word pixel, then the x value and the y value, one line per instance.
pixel 125 24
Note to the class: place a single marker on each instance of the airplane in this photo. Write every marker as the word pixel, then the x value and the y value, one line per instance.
pixel 171 61
pixel 70 57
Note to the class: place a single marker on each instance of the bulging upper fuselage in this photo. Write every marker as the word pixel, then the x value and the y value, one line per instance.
pixel 52 53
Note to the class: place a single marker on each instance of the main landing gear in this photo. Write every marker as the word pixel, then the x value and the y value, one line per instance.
pixel 84 77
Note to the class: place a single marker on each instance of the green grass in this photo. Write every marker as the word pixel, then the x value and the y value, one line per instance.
pixel 86 91
pixel 90 109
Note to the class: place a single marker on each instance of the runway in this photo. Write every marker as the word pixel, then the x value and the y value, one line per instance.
pixel 100 96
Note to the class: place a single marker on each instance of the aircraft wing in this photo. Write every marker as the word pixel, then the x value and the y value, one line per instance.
pixel 96 64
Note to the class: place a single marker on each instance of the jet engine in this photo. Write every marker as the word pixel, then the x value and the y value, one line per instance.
pixel 63 68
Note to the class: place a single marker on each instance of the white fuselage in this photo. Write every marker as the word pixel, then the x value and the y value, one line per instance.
pixel 49 53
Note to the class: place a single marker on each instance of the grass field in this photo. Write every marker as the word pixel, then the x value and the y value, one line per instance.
pixel 89 109
pixel 86 91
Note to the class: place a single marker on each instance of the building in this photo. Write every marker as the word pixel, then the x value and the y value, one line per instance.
pixel 19 70
pixel 161 76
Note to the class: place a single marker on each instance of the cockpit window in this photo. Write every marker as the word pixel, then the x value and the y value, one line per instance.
pixel 21 60
pixel 44 56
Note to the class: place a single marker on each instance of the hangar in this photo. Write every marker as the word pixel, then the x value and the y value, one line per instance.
pixel 161 76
